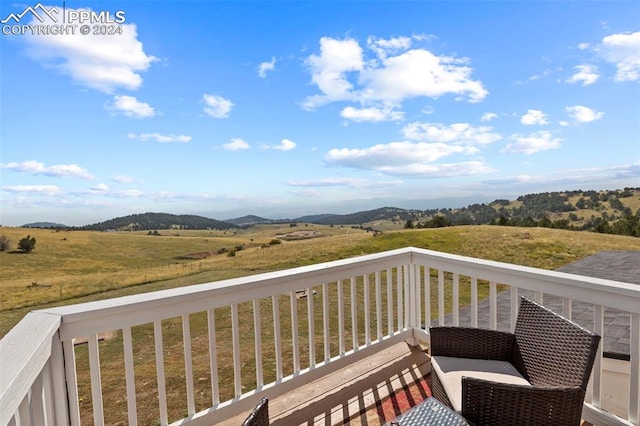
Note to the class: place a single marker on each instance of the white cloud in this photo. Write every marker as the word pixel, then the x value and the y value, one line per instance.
pixel 104 63
pixel 419 157
pixel 466 168
pixel 342 72
pixel 217 106
pixel 488 116
pixel 545 73
pixel 373 114
pixel 265 67
pixel 535 142
pixel 622 50
pixel 533 117
pixel 285 145
pixel 160 138
pixel 328 70
pixel 131 107
pixel 585 74
pixel 419 72
pixel 101 187
pixel 236 144
pixel 583 114
pixel 583 46
pixel 456 133
pixel 49 190
pixel 122 179
pixel 37 168
pixel 333 181
pixel 393 154
pixel 385 47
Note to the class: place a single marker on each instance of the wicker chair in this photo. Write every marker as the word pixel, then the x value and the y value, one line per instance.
pixel 259 416
pixel 536 375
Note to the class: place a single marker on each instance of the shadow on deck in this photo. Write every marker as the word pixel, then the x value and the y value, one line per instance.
pixel 372 392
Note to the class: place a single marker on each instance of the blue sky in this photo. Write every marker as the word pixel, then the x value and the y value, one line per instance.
pixel 288 108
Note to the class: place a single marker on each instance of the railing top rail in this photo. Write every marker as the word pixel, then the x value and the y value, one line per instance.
pixel 614 294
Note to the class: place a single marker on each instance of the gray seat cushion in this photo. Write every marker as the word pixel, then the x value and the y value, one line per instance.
pixel 451 370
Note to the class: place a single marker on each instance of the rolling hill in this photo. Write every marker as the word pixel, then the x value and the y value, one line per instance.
pixel 154 221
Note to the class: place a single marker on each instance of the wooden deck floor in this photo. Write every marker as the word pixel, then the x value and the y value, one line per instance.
pixel 371 392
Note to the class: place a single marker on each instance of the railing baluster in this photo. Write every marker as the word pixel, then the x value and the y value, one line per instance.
pixel 24 411
pixel 399 288
pixel 440 297
pixel 407 308
pixel 37 399
pixel 47 390
pixel 390 328
pixel 340 318
pixel 96 383
pixel 162 392
pixel 474 302
pixel 257 332
pixel 538 296
pixel 415 285
pixel 354 315
pixel 427 297
pixel 515 306
pixel 312 328
pixel 378 305
pixel 456 299
pixel 634 384
pixel 566 307
pixel 213 357
pixel 293 301
pixel 493 306
pixel 59 387
pixel 367 310
pixel 277 337
pixel 130 377
pixel 188 364
pixel 325 322
pixel 72 382
pixel 235 337
pixel 598 328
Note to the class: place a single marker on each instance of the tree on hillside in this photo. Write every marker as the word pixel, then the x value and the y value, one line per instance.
pixel 4 243
pixel 27 244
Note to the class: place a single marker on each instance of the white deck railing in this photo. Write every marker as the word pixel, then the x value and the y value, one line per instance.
pixel 203 353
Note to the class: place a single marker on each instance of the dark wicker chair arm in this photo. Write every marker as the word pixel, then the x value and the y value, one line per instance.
pixel 490 403
pixel 259 416
pixel 477 343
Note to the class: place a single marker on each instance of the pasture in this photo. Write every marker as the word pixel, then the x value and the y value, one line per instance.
pixel 73 266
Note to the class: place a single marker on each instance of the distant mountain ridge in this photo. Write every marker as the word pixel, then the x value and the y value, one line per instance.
pixel 383 213
pixel 251 219
pixel 154 221
pixel 609 211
